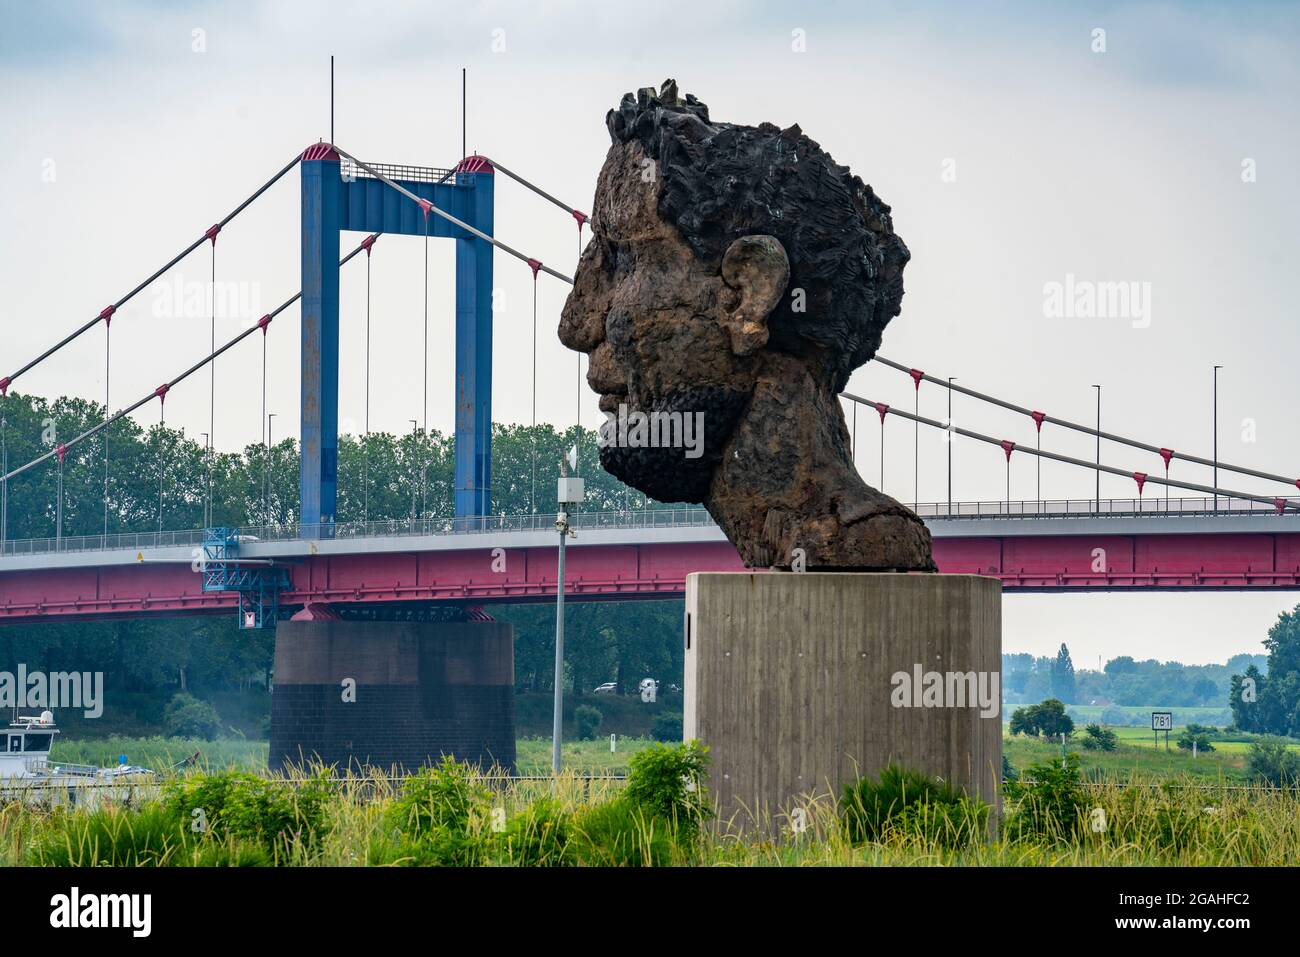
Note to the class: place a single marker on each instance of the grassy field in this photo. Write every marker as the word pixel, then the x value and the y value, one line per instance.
pixel 160 753
pixel 1137 754
pixel 533 755
pixel 1131 760
pixel 1139 716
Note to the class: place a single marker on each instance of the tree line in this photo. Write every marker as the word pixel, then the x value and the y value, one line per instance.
pixel 161 477
pixel 1122 681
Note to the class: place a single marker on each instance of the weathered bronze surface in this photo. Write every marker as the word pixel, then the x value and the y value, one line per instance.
pixel 736 276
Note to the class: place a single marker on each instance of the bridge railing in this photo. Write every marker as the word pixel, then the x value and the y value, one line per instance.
pixel 192 539
pixel 1148 507
pixel 484 524
pixel 89 543
pixel 293 531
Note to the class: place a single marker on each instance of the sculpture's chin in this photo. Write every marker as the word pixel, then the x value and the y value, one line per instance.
pixel 662 474
pixel 670 450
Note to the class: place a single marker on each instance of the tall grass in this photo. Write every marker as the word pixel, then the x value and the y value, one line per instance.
pixel 490 820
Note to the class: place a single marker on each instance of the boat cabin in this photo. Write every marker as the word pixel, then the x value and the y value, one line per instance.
pixel 25 746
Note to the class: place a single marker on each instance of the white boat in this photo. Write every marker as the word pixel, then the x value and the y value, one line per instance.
pixel 26 772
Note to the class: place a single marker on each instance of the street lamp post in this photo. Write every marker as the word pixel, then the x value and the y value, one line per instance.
pixel 570 491
pixel 951 436
pixel 414 434
pixel 58 508
pixel 266 491
pixel 207 467
pixel 1097 503
pixel 4 486
pixel 1215 483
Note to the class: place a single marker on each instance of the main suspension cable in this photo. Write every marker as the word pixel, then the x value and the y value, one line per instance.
pixel 1007 446
pixel 1041 417
pixel 108 311
pixel 162 390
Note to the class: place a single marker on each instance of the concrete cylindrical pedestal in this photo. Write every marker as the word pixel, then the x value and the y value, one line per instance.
pixel 393 694
pixel 802 683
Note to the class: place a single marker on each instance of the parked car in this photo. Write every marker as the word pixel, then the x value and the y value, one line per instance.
pixel 609 687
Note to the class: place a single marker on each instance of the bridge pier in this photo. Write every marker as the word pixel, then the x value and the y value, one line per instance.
pixel 392 695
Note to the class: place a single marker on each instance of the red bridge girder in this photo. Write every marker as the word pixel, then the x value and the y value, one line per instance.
pixel 1240 562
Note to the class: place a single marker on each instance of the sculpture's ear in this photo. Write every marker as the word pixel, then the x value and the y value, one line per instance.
pixel 757 267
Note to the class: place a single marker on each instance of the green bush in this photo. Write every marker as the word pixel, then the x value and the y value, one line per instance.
pixel 1273 763
pixel 443 795
pixel 619 833
pixel 236 804
pixel 954 824
pixel 870 808
pixel 446 847
pixel 588 720
pixel 667 726
pixel 230 853
pixel 1048 802
pixel 1009 772
pixel 187 717
pixel 539 836
pixel 439 813
pixel 1097 738
pixel 1191 735
pixel 668 781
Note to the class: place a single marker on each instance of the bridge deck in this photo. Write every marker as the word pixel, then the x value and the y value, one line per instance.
pixel 631 555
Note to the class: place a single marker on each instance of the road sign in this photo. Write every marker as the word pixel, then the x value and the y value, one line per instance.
pixel 1162 720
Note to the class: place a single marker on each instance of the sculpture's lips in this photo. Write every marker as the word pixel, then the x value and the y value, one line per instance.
pixel 610 401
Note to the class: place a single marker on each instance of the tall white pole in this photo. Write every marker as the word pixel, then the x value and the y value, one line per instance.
pixel 570 491
pixel 562 523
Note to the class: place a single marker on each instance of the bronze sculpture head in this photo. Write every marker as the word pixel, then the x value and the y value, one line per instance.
pixel 736 276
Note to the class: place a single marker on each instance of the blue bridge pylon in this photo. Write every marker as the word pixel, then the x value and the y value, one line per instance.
pixel 336 197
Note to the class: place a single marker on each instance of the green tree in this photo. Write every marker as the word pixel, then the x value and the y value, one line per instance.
pixel 1275 708
pixel 1273 763
pixel 1048 718
pixel 588 720
pixel 188 717
pixel 1097 738
pixel 1063 685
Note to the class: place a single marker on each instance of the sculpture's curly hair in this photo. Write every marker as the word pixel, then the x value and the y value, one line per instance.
pixel 721 181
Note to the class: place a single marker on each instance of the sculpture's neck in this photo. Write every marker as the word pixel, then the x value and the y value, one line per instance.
pixel 787 492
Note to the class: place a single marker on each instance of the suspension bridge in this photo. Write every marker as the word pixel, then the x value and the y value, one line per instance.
pixel 1179 535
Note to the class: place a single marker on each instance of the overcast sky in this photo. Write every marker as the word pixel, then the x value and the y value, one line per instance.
pixel 1014 151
